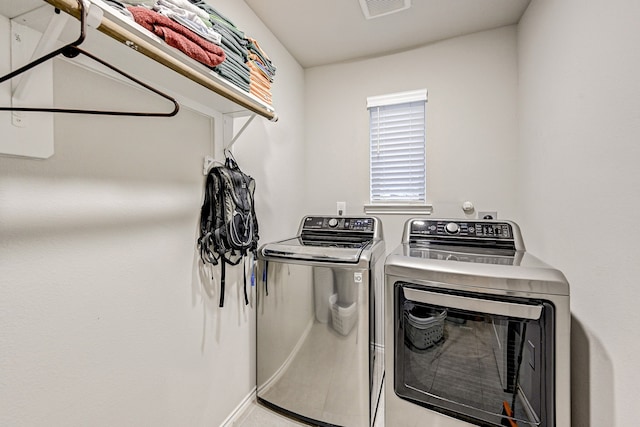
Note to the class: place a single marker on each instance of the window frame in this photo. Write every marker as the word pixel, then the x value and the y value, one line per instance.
pixel 397 206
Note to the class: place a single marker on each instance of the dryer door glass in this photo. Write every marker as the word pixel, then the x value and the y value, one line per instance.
pixel 474 357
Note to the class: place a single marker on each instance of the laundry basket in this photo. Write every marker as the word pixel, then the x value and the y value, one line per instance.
pixel 343 318
pixel 424 327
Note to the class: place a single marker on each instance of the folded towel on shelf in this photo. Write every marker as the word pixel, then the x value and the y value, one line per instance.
pixel 217 16
pixel 261 94
pixel 184 13
pixel 247 65
pixel 229 73
pixel 259 67
pixel 188 6
pixel 206 33
pixel 262 71
pixel 256 53
pixel 178 36
pixel 258 75
pixel 259 90
pixel 188 19
pixel 230 41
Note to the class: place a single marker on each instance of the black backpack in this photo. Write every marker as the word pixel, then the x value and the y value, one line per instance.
pixel 228 223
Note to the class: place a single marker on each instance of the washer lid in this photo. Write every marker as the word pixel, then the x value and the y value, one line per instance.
pixel 316 250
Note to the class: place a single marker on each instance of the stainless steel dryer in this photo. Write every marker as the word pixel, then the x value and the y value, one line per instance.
pixel 319 322
pixel 477 330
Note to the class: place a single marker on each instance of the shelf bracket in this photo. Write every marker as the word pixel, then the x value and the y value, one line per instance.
pixel 28 136
pixel 228 138
pixel 45 44
pixel 228 120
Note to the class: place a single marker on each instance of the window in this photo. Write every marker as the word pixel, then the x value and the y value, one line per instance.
pixel 397 136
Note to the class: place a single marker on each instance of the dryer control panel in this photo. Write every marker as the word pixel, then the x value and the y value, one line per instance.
pixel 478 229
pixel 457 232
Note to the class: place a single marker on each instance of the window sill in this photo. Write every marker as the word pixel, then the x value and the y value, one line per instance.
pixel 398 209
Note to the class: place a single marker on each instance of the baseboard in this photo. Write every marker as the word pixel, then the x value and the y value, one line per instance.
pixel 240 409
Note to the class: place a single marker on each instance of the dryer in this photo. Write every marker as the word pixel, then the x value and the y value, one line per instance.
pixel 319 322
pixel 477 330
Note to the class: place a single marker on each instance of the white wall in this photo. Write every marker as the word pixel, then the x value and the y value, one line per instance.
pixel 471 125
pixel 105 317
pixel 579 179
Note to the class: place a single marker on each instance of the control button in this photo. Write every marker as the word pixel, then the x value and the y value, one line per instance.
pixel 452 228
pixel 333 222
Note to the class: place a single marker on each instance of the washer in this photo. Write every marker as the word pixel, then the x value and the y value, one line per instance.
pixel 477 330
pixel 319 322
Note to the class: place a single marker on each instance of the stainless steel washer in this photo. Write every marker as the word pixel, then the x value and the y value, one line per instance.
pixel 319 322
pixel 477 330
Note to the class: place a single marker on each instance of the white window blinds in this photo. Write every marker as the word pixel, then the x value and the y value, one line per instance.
pixel 397 144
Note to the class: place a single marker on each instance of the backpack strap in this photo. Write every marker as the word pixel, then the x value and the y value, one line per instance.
pixel 205 221
pixel 244 270
pixel 265 275
pixel 222 282
pixel 230 161
pixel 254 269
pixel 224 260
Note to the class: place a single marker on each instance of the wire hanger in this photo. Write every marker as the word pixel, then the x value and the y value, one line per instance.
pixel 72 50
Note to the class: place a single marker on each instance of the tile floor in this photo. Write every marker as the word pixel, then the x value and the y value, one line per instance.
pixel 258 416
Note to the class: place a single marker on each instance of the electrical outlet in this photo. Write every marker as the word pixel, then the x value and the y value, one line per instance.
pixel 487 215
pixel 341 208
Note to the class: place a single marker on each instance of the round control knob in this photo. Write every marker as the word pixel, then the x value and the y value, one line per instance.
pixel 333 222
pixel 452 228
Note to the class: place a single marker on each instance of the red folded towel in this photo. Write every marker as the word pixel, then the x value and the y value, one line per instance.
pixel 178 36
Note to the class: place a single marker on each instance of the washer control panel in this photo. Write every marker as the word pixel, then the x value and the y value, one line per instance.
pixel 454 228
pixel 338 223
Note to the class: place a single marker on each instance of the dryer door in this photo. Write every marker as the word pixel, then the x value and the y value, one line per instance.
pixel 474 357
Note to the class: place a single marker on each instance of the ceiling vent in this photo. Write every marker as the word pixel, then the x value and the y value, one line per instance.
pixel 377 8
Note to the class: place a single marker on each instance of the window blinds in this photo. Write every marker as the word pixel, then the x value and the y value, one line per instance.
pixel 398 155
